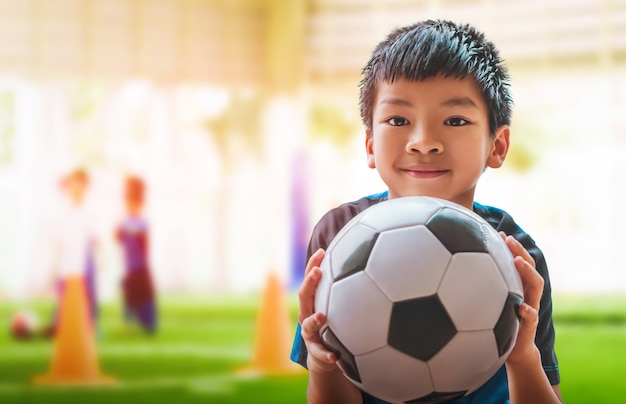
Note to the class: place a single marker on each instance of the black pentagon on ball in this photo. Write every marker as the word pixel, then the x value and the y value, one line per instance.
pixel 357 260
pixel 345 358
pixel 436 397
pixel 457 231
pixel 505 329
pixel 420 327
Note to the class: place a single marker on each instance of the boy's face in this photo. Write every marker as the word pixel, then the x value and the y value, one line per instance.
pixel 431 138
pixel 76 188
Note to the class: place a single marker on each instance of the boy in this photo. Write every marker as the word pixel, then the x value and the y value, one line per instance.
pixel 75 241
pixel 436 105
pixel 132 233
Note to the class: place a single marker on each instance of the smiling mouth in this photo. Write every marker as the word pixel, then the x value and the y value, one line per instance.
pixel 426 173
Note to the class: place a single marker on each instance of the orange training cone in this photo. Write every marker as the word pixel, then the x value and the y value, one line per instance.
pixel 74 357
pixel 273 337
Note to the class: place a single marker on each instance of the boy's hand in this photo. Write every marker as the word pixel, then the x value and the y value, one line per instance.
pixel 320 359
pixel 532 283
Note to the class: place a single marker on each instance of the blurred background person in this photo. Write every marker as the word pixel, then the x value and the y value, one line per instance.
pixel 132 233
pixel 75 242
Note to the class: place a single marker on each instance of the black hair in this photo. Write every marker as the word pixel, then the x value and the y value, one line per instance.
pixel 437 47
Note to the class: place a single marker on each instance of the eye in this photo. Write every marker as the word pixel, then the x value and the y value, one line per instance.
pixel 398 121
pixel 455 122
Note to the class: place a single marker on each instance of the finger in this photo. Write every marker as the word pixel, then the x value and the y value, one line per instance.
pixel 528 324
pixel 319 351
pixel 529 315
pixel 527 330
pixel 517 249
pixel 531 280
pixel 306 294
pixel 311 327
pixel 314 261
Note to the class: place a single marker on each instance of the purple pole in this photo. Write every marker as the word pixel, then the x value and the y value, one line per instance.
pixel 299 213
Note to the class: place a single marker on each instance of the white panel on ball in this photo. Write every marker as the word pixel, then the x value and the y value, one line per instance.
pixel 473 291
pixel 469 357
pixel 400 212
pixel 356 310
pixel 388 370
pixel 408 262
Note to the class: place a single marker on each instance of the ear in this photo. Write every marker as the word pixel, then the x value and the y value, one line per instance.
pixel 369 148
pixel 499 147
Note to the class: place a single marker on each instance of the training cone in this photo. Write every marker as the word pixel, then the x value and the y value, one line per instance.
pixel 74 357
pixel 273 335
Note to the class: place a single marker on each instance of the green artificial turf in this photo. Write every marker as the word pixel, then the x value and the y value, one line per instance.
pixel 592 359
pixel 201 347
pixel 199 355
pixel 591 346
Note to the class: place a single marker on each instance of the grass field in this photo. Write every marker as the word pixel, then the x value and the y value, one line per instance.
pixel 202 345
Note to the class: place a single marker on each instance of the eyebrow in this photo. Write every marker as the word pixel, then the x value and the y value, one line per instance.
pixel 452 102
pixel 459 101
pixel 395 101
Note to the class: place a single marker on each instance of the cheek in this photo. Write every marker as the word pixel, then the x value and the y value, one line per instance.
pixel 384 151
pixel 388 143
pixel 474 148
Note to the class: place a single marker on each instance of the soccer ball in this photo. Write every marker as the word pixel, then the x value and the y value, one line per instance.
pixel 421 298
pixel 24 325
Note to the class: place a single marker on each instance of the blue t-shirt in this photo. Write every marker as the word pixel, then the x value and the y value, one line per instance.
pixel 495 390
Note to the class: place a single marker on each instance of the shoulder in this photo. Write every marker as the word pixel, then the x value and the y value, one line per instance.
pixel 336 218
pixel 348 210
pixel 497 218
pixel 502 221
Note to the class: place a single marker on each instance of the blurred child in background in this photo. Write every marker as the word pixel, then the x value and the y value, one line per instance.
pixel 75 241
pixel 137 285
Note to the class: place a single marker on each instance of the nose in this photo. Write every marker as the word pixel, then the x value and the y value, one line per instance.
pixel 424 141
